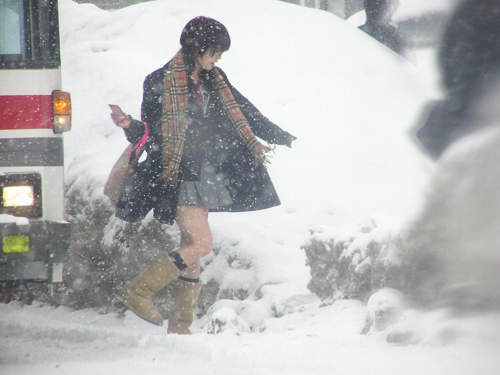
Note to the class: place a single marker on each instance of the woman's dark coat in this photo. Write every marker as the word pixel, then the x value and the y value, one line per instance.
pixel 249 186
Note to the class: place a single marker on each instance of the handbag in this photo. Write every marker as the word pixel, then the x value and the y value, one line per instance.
pixel 124 167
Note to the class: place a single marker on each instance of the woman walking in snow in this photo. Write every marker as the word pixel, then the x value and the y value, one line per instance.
pixel 203 156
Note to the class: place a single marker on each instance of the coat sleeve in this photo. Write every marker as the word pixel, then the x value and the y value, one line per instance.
pixel 261 125
pixel 150 108
pixel 135 131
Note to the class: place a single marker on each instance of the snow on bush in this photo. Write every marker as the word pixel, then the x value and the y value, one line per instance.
pixel 385 308
pixel 224 316
pixel 351 266
pixel 105 251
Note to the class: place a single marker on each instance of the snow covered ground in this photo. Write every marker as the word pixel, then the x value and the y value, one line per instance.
pixel 350 102
pixel 324 340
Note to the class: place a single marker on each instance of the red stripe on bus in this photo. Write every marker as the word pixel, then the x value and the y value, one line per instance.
pixel 25 112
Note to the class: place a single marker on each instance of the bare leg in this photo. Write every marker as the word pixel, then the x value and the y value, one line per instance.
pixel 196 237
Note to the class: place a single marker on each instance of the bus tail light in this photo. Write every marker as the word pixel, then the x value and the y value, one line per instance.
pixel 18 196
pixel 61 109
pixel 21 194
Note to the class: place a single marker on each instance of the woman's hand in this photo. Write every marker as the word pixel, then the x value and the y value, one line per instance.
pixel 120 118
pixel 261 152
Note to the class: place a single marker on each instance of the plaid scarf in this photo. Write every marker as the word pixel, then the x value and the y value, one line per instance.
pixel 174 119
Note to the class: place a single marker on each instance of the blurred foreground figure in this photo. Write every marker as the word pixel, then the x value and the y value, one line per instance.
pixel 453 247
pixel 469 60
pixel 378 23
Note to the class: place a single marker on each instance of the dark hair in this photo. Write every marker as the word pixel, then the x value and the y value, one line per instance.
pixel 469 51
pixel 377 9
pixel 202 34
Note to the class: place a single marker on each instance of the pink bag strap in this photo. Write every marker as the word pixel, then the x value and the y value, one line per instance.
pixel 139 146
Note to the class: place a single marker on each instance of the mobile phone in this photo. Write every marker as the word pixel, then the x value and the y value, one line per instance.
pixel 117 111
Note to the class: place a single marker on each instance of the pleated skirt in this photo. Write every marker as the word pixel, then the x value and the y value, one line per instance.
pixel 209 192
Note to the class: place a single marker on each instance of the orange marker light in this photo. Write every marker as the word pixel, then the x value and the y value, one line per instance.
pixel 61 108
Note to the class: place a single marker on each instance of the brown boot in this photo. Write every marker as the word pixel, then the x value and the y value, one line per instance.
pixel 184 295
pixel 139 294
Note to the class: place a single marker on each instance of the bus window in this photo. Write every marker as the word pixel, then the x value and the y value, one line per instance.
pixel 29 34
pixel 11 27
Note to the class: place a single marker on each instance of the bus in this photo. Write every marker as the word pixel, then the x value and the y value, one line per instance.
pixel 34 114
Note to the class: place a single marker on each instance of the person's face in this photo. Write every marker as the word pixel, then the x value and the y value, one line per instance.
pixel 208 59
